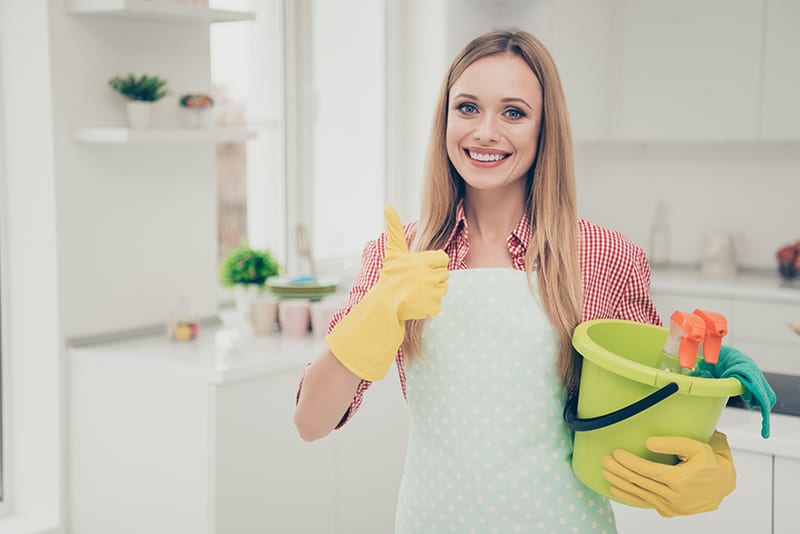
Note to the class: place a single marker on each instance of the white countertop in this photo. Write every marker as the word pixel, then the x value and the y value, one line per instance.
pixel 276 354
pixel 198 358
pixel 756 285
pixel 743 428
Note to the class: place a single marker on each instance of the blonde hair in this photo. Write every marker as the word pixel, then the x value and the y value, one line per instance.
pixel 553 247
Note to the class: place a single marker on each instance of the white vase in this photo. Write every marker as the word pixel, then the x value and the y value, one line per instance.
pixel 244 295
pixel 199 117
pixel 139 113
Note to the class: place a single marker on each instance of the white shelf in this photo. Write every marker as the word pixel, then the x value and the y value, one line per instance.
pixel 157 10
pixel 117 135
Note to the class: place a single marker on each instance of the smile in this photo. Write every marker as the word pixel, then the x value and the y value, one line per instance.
pixel 486 156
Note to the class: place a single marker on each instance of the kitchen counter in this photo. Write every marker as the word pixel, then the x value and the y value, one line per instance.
pixel 748 284
pixel 261 355
pixel 743 428
pixel 275 354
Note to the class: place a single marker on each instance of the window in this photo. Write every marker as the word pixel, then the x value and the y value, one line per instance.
pixel 2 311
pixel 310 76
pixel 348 126
pixel 247 75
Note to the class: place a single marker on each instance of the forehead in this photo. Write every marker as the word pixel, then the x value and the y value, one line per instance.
pixel 499 76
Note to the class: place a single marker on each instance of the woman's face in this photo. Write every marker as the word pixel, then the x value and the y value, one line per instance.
pixel 493 121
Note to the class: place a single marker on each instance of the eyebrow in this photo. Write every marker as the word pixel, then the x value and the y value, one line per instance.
pixel 504 100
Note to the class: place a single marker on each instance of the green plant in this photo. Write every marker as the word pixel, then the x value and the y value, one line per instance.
pixel 145 88
pixel 246 265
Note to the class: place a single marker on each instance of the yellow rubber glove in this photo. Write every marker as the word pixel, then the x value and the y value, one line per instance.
pixel 698 483
pixel 410 286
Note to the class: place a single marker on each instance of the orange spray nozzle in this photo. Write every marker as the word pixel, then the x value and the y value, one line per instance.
pixel 716 326
pixel 693 330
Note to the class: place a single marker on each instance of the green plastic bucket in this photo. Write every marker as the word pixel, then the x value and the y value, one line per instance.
pixel 623 399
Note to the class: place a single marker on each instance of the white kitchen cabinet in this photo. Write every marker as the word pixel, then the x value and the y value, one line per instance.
pixel 269 480
pixel 781 110
pixel 161 441
pixel 747 510
pixel 690 71
pixel 266 478
pixel 787 475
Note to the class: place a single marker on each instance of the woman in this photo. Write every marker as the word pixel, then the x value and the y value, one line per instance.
pixel 486 368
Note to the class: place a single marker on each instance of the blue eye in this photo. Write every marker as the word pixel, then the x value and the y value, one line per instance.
pixel 514 113
pixel 467 108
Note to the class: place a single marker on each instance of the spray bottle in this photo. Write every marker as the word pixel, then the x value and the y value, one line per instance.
pixel 716 328
pixel 686 332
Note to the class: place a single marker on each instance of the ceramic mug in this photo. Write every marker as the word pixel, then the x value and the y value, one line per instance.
pixel 321 315
pixel 294 317
pixel 264 314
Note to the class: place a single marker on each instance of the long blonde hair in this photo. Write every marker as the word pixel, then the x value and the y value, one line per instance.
pixel 550 198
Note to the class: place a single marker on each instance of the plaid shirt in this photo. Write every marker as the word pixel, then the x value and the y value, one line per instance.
pixel 614 273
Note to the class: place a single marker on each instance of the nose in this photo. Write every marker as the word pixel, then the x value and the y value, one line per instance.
pixel 486 130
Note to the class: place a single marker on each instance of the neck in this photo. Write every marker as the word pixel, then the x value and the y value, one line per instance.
pixel 492 215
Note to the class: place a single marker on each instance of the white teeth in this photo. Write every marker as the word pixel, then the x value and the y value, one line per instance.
pixel 485 157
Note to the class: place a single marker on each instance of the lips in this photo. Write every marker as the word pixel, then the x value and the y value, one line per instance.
pixel 485 157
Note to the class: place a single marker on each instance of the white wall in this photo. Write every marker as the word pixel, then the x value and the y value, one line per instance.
pixel 750 190
pixel 136 223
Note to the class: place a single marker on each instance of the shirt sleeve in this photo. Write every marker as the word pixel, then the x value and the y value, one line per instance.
pixel 615 276
pixel 371 263
pixel 635 303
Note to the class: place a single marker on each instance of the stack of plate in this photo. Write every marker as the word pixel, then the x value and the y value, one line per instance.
pixel 301 288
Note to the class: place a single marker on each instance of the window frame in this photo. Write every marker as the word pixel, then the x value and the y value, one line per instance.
pixel 299 115
pixel 33 375
pixel 4 305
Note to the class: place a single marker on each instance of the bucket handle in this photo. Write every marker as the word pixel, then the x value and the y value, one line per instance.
pixel 580 424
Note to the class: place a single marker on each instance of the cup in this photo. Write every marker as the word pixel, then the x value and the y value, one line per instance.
pixel 264 314
pixel 321 314
pixel 294 316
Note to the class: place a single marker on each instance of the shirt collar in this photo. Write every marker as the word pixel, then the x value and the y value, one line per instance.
pixel 517 241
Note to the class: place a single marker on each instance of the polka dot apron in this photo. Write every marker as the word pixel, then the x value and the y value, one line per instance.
pixel 488 450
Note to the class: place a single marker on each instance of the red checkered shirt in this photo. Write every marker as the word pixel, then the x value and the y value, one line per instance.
pixel 614 273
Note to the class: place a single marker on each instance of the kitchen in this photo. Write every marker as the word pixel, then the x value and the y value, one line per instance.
pixel 702 120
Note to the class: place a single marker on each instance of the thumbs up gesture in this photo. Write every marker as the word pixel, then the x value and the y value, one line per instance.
pixel 410 286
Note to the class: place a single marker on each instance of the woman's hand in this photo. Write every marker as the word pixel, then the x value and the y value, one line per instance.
pixel 410 286
pixel 704 476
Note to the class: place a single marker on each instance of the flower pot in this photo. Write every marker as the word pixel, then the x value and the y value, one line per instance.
pixel 199 117
pixel 139 113
pixel 244 295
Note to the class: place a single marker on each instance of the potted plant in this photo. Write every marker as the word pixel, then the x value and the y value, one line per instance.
pixel 246 270
pixel 140 93
pixel 198 107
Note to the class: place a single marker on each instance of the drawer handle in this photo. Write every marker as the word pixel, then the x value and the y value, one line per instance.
pixel 794 327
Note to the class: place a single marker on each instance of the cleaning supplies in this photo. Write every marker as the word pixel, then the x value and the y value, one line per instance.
pixel 686 332
pixel 716 329
pixel 692 338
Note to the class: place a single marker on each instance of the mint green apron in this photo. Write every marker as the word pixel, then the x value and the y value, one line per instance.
pixel 488 449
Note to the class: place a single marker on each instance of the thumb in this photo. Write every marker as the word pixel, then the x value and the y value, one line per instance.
pixel 395 237
pixel 677 445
